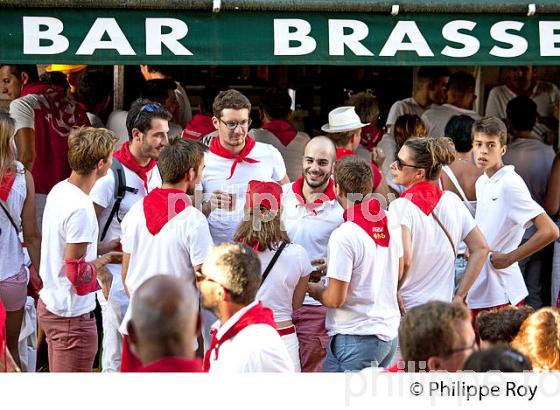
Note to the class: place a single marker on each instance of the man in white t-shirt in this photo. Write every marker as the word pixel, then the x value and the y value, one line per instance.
pixel 365 262
pixel 246 340
pixel 69 264
pixel 147 129
pixel 163 234
pixel 504 210
pixel 310 214
pixel 460 99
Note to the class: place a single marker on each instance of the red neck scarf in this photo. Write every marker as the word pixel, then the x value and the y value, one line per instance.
pixel 257 315
pixel 163 204
pixel 282 129
pixel 217 148
pixel 328 195
pixel 198 127
pixel 6 184
pixel 173 365
pixel 125 157
pixel 425 195
pixel 343 152
pixel 372 219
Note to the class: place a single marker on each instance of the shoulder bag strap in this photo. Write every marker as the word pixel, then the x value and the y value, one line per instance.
pixel 445 232
pixel 273 261
pixel 5 209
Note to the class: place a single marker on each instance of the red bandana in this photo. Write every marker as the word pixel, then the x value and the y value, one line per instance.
pixel 163 204
pixel 372 219
pixel 343 152
pixel 257 315
pixel 217 148
pixel 6 184
pixel 371 135
pixel 282 129
pixel 328 195
pixel 173 365
pixel 125 157
pixel 425 195
pixel 198 127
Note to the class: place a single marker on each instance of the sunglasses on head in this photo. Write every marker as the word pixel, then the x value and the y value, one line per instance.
pixel 151 108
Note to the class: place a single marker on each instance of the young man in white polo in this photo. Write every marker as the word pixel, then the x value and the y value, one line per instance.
pixel 164 234
pixel 310 214
pixel 504 210
pixel 147 125
pixel 364 265
pixel 69 263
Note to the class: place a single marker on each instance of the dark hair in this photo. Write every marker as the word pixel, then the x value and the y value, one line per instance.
pixel 432 73
pixel 407 126
pixel 353 175
pixel 521 113
pixel 166 70
pixel 498 358
pixel 461 82
pixel 231 99
pixel 276 103
pixel 176 158
pixel 29 69
pixel 207 99
pixel 140 117
pixel 459 129
pixel 491 126
pixel 55 78
pixel 158 89
pixel 501 326
pixel 431 154
pixel 94 86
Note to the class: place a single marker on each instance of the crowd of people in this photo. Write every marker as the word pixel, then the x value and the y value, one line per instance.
pixel 209 246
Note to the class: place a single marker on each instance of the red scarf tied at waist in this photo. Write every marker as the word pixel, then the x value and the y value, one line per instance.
pixel 257 315
pixel 217 148
pixel 163 204
pixel 425 195
pixel 372 219
pixel 125 157
pixel 328 195
pixel 282 129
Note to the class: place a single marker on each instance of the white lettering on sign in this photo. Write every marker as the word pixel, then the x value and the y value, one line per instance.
pixel 549 33
pixel 500 32
pixel 283 37
pixel 94 38
pixel 338 39
pixel 155 38
pixel 32 36
pixel 396 42
pixel 451 32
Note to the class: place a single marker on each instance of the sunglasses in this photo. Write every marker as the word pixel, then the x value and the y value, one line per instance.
pixel 232 125
pixel 151 108
pixel 400 164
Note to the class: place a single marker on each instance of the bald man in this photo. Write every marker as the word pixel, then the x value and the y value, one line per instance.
pixel 163 325
pixel 310 214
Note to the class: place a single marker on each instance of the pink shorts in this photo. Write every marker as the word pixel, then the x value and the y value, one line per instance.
pixel 13 291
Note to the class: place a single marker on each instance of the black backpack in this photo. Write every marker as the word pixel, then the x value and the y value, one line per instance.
pixel 120 190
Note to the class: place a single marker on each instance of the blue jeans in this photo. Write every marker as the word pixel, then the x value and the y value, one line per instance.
pixel 353 352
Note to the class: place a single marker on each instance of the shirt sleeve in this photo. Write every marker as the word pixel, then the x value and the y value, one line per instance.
pixel 492 105
pixel 126 229
pixel 468 221
pixel 200 241
pixel 341 257
pixel 395 112
pixel 21 110
pixel 103 191
pixel 400 212
pixel 521 206
pixel 279 168
pixel 305 263
pixel 80 227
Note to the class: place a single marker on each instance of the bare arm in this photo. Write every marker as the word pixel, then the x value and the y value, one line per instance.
pixel 25 143
pixel 407 254
pixel 552 198
pixel 299 292
pixel 333 296
pixel 125 262
pixel 31 234
pixel 478 250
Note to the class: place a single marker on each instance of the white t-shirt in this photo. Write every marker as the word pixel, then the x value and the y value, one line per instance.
pixel 180 245
pixel 311 230
pixel 270 167
pixel 277 290
pixel 256 349
pixel 431 276
pixel 504 210
pixel 69 218
pixel 437 117
pixel 372 272
pixel 406 106
pixel 10 244
pixel 117 123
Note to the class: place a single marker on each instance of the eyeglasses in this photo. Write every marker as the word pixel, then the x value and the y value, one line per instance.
pixel 472 347
pixel 400 164
pixel 232 125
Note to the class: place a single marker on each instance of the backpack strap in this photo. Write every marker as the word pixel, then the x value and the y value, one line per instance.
pixel 273 261
pixel 120 190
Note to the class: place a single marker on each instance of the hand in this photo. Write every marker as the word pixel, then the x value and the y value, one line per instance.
pixel 114 245
pixel 500 260
pixel 105 259
pixel 315 290
pixel 320 271
pixel 221 200
pixel 106 279
pixel 458 299
pixel 377 157
pixel 401 303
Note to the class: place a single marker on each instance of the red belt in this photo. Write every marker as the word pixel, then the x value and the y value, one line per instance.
pixel 287 330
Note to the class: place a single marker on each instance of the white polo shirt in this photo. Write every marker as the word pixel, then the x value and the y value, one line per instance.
pixel 401 107
pixel 504 211
pixel 182 243
pixel 257 348
pixel 437 117
pixel 69 218
pixel 372 272
pixel 270 167
pixel 277 291
pixel 432 273
pixel 309 229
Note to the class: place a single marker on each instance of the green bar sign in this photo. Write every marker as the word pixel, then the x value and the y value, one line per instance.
pixel 176 37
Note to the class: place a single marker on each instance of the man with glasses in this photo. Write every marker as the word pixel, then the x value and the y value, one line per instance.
pixel 147 126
